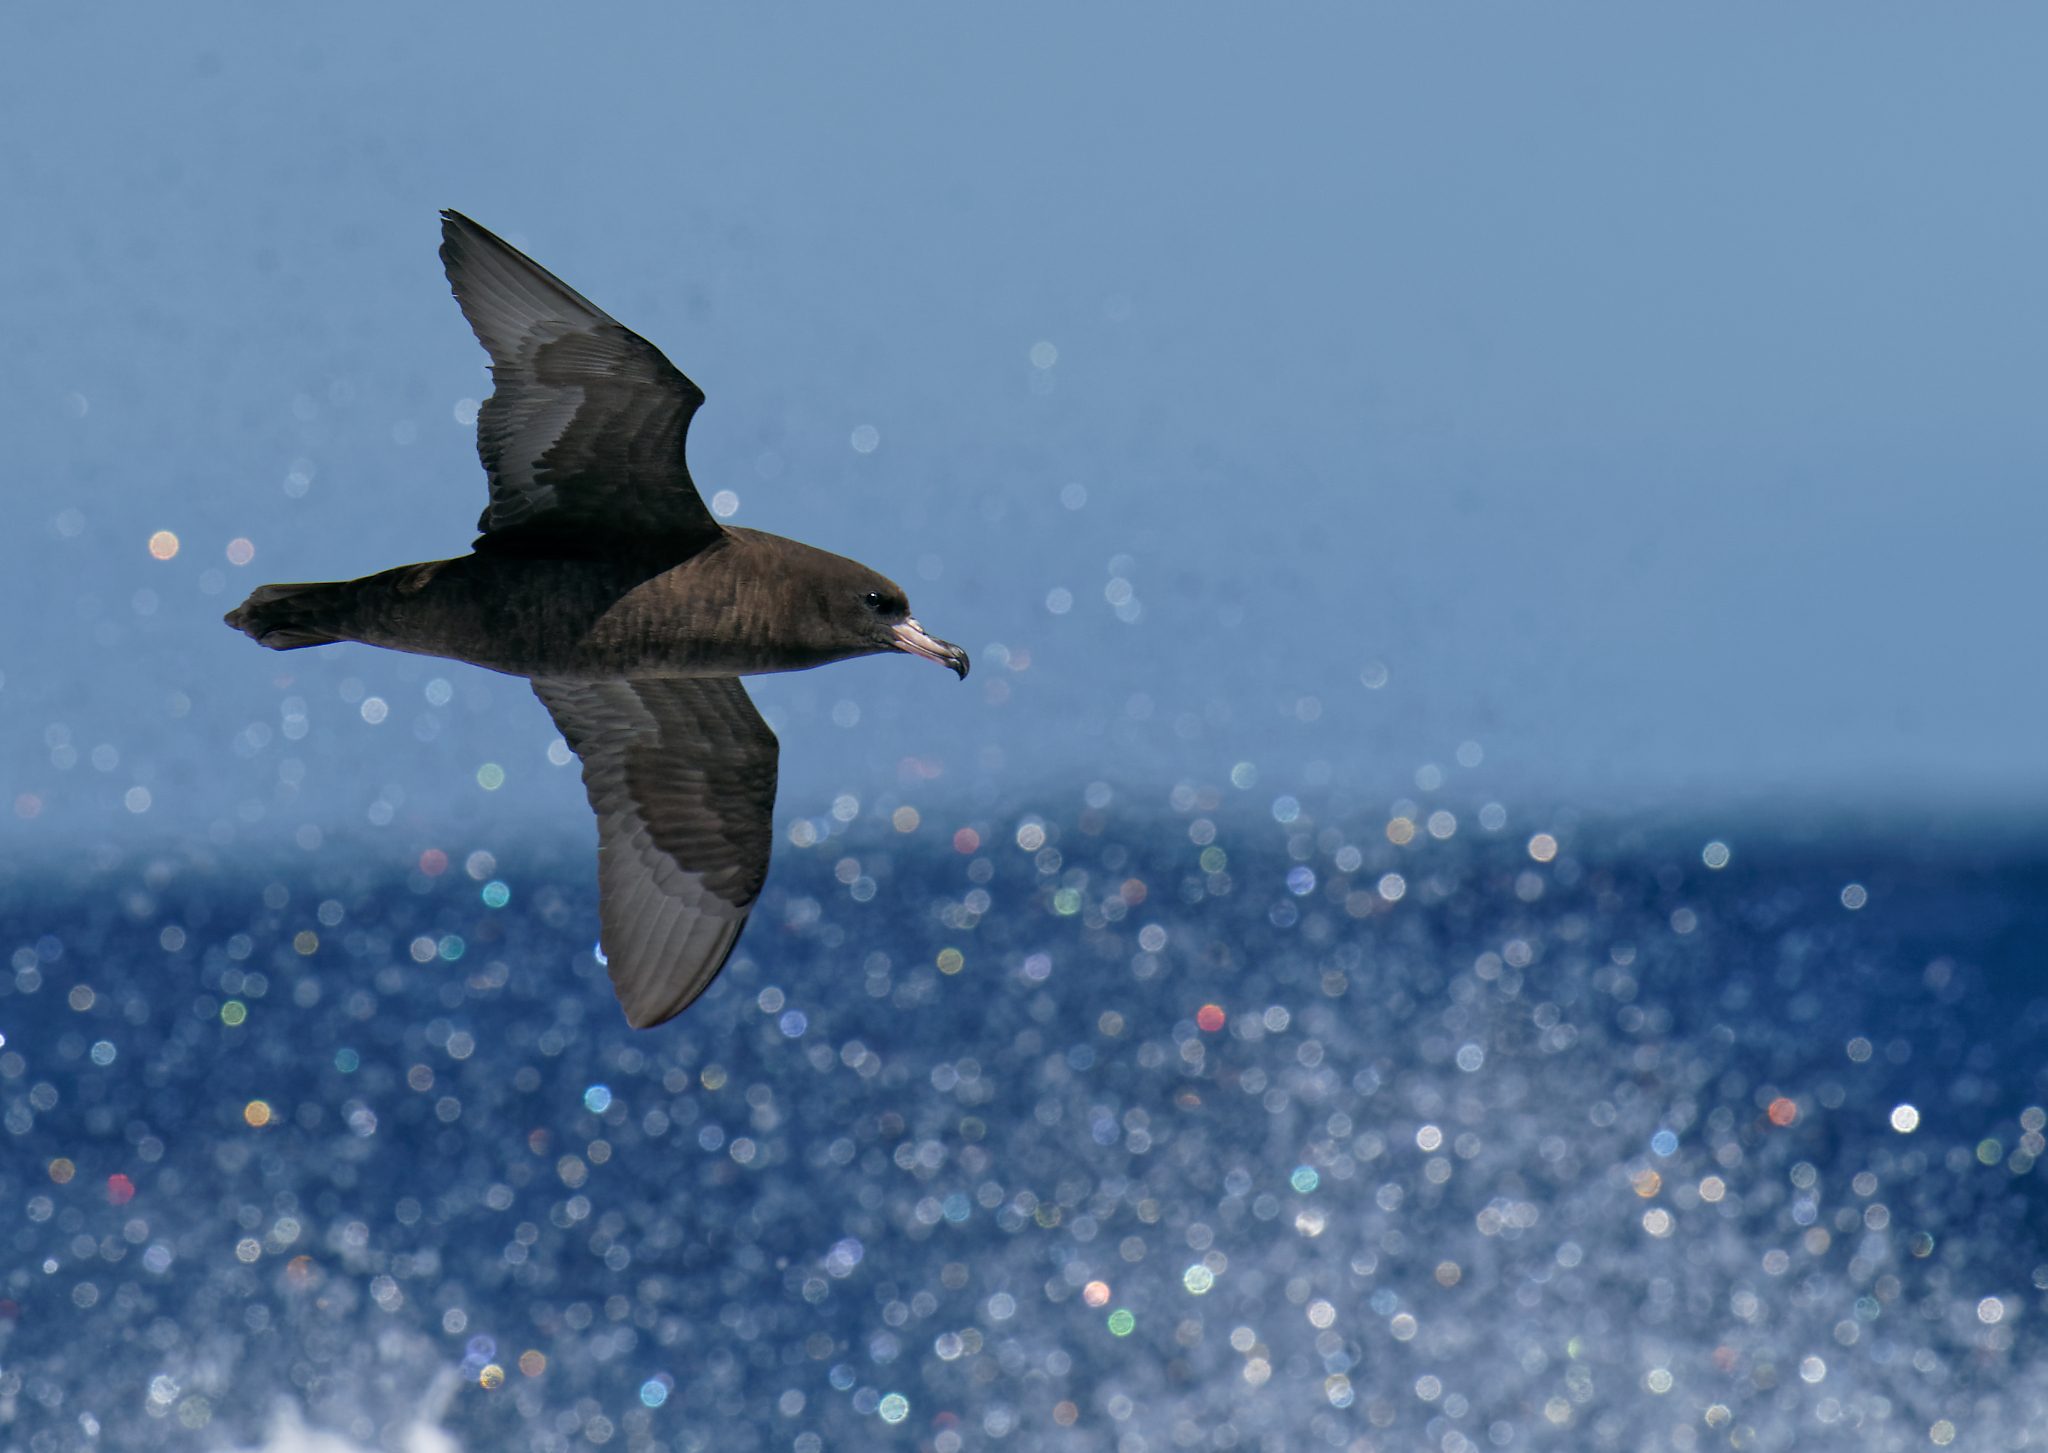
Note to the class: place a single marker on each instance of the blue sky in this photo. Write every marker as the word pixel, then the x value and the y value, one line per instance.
pixel 1655 397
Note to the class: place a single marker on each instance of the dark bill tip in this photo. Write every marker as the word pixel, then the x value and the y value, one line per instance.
pixel 911 637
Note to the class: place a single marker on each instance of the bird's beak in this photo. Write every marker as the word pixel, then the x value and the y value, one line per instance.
pixel 910 637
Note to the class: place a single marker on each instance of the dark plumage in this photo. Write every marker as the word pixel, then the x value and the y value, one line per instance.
pixel 601 577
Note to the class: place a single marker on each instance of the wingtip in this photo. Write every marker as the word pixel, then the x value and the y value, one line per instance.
pixel 461 240
pixel 646 1019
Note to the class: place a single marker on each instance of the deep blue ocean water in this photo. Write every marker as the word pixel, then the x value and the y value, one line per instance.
pixel 1139 1125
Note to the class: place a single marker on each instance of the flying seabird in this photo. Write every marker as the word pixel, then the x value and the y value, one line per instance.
pixel 601 577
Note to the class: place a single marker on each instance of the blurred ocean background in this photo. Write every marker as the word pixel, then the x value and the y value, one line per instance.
pixel 1487 890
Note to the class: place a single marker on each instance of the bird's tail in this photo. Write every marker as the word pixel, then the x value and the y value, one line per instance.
pixel 286 617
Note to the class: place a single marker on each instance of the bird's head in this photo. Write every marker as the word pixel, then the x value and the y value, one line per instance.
pixel 881 609
pixel 820 607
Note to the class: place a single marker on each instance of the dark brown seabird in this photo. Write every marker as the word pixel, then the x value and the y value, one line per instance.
pixel 601 577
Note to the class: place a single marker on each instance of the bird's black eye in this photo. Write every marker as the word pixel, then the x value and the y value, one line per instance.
pixel 874 600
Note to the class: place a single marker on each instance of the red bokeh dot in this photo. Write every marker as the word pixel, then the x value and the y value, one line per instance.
pixel 1211 1017
pixel 120 1190
pixel 433 862
pixel 966 840
pixel 1783 1111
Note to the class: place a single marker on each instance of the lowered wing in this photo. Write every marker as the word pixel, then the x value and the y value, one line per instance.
pixel 681 775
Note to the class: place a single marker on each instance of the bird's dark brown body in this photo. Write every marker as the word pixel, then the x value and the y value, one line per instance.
pixel 727 610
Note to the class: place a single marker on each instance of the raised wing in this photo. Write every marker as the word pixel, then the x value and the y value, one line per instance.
pixel 681 775
pixel 583 438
